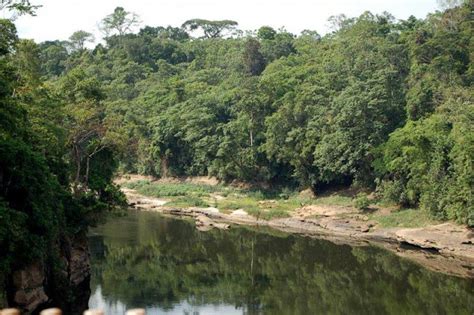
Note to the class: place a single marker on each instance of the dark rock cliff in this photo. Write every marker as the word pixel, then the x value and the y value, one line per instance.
pixel 63 281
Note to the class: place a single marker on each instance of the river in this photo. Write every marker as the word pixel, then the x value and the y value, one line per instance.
pixel 168 267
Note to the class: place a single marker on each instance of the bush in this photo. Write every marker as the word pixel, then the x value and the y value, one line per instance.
pixel 285 193
pixel 361 201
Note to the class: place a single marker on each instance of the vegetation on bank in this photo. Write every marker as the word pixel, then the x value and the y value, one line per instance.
pixel 55 176
pixel 268 203
pixel 259 202
pixel 406 218
pixel 378 103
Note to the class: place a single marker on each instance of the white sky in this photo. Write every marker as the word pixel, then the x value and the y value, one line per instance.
pixel 58 19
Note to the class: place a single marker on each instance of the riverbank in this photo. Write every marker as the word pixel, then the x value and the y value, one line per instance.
pixel 446 247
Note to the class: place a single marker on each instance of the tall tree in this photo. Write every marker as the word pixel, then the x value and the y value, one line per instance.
pixel 254 61
pixel 78 40
pixel 120 22
pixel 211 29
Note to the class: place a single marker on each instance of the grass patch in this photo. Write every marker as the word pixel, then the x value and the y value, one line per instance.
pixel 263 204
pixel 268 214
pixel 333 200
pixel 259 207
pixel 171 189
pixel 237 202
pixel 266 204
pixel 408 218
pixel 188 201
pixel 274 214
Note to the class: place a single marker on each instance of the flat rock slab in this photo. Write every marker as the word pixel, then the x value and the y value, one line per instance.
pixel 211 210
pixel 204 223
pixel 446 237
pixel 317 210
pixel 217 196
pixel 141 201
pixel 329 224
pixel 239 212
pixel 155 202
pixel 345 225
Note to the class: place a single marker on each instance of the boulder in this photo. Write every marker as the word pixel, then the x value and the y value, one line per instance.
pixel 29 287
pixel 239 212
pixel 204 223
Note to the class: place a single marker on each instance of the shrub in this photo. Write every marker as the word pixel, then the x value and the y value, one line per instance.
pixel 361 201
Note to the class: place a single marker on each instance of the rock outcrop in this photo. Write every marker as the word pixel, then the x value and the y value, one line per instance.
pixel 29 287
pixel 446 248
pixel 38 285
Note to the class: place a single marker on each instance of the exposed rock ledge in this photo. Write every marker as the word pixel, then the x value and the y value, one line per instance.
pixel 37 285
pixel 446 248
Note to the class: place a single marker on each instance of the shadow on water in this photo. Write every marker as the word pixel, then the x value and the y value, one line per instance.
pixel 167 266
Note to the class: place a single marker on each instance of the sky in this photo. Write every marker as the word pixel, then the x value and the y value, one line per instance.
pixel 58 19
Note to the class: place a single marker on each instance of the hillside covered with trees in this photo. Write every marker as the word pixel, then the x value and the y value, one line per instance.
pixel 377 103
pixel 55 173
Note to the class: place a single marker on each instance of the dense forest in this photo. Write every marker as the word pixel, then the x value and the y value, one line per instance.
pixel 51 189
pixel 378 103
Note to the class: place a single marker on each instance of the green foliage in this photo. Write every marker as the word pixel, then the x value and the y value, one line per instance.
pixel 429 162
pixel 377 103
pixel 171 189
pixel 188 201
pixel 211 29
pixel 78 40
pixel 406 218
pixel 254 61
pixel 119 22
pixel 361 201
pixel 8 36
pixel 20 7
pixel 37 205
pixel 266 32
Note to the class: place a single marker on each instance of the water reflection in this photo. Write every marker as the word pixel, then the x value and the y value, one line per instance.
pixel 97 301
pixel 167 266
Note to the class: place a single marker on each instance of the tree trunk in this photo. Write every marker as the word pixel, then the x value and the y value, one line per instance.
pixel 164 166
pixel 251 138
pixel 78 165
pixel 251 129
pixel 86 179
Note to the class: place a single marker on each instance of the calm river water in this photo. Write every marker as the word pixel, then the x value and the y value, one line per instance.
pixel 168 267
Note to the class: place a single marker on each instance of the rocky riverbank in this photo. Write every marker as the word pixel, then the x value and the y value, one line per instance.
pixel 64 283
pixel 447 248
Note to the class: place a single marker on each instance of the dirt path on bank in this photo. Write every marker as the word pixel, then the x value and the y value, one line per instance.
pixel 446 248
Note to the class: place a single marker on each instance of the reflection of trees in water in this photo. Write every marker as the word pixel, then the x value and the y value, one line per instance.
pixel 262 273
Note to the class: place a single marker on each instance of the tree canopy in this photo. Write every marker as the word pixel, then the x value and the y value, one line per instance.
pixel 377 103
pixel 210 29
pixel 119 22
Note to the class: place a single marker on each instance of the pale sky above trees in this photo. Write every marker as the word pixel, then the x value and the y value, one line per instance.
pixel 58 19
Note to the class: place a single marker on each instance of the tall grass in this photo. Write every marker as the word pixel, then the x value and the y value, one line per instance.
pixel 171 189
